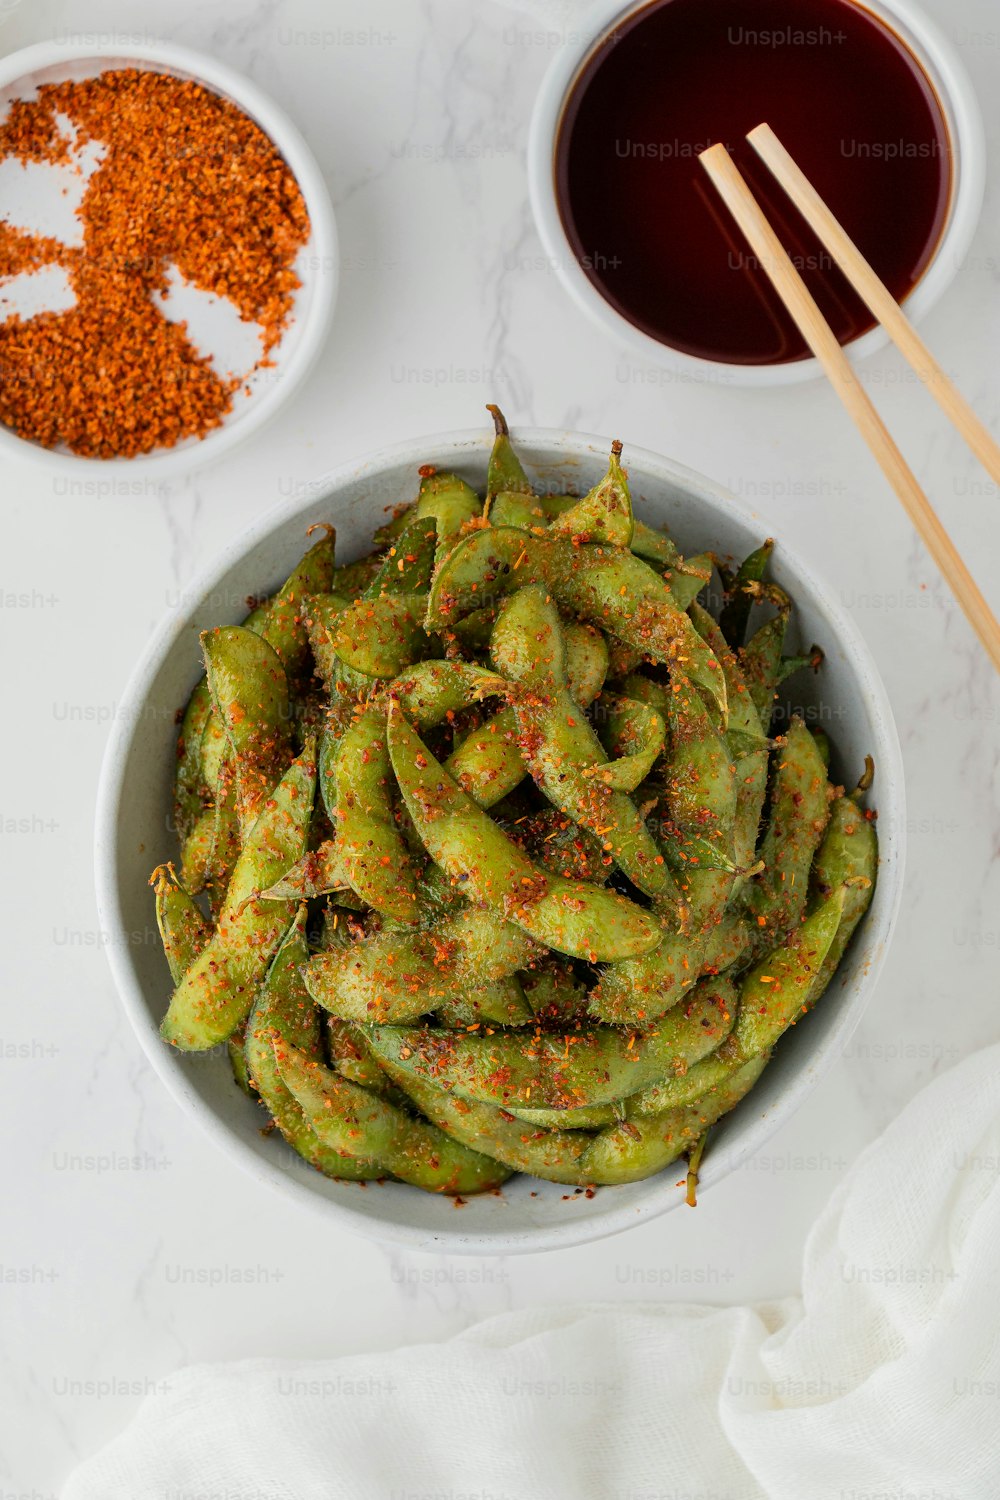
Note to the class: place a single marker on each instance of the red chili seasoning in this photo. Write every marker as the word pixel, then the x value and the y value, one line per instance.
pixel 189 181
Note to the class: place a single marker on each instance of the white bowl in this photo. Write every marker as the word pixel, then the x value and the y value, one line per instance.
pixel 134 815
pixel 960 107
pixel 317 263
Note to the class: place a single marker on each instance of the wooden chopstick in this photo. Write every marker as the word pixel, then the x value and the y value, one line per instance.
pixel 876 295
pixel 819 336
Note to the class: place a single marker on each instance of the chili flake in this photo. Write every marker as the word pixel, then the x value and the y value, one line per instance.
pixel 188 181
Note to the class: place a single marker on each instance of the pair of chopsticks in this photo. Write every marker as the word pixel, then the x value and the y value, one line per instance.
pixel 816 331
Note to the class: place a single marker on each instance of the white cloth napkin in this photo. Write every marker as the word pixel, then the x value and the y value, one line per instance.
pixel 881 1382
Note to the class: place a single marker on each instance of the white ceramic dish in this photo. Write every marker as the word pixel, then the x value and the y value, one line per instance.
pixel 133 834
pixel 317 263
pixel 960 106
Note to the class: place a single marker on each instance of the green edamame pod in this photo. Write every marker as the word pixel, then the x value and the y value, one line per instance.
pixel 735 614
pixel 523 511
pixel 799 812
pixel 700 798
pixel 551 1071
pixel 369 844
pixel 488 764
pixel 408 564
pixel 550 1154
pixel 744 732
pixel 355 1123
pixel 846 859
pixel 559 747
pixel 214 751
pixel 586 1117
pixel 450 503
pixel 604 515
pixel 196 852
pixel 398 977
pixel 760 658
pixel 379 637
pixel 191 791
pixel 727 944
pixel 563 846
pixel 249 690
pixel 633 736
pixel 686 582
pixel 571 916
pixel 283 620
pixel 210 854
pixel 352 579
pixel 776 992
pixel 320 872
pixel 323 624
pixel 604 586
pixel 640 1146
pixel 283 1016
pixel 500 1004
pixel 654 545
pixel 772 997
pixel 217 990
pixel 183 930
pixel 505 470
pixel 699 784
pixel 554 993
pixel 789 665
pixel 356 779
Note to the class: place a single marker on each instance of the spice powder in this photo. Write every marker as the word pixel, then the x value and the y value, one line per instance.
pixel 187 180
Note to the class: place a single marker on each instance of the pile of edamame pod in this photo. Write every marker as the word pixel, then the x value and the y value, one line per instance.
pixel 492 859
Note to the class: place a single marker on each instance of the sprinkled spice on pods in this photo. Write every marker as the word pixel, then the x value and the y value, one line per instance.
pixel 188 181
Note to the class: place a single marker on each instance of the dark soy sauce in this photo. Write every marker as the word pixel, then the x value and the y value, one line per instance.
pixel 842 92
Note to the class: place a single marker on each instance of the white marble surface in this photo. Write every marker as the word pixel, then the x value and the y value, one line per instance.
pixel 112 1277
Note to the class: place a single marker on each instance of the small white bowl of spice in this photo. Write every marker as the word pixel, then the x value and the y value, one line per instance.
pixel 168 258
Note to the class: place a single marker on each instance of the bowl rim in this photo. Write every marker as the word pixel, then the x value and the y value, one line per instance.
pixel 218 78
pixel 959 102
pixel 660 1193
